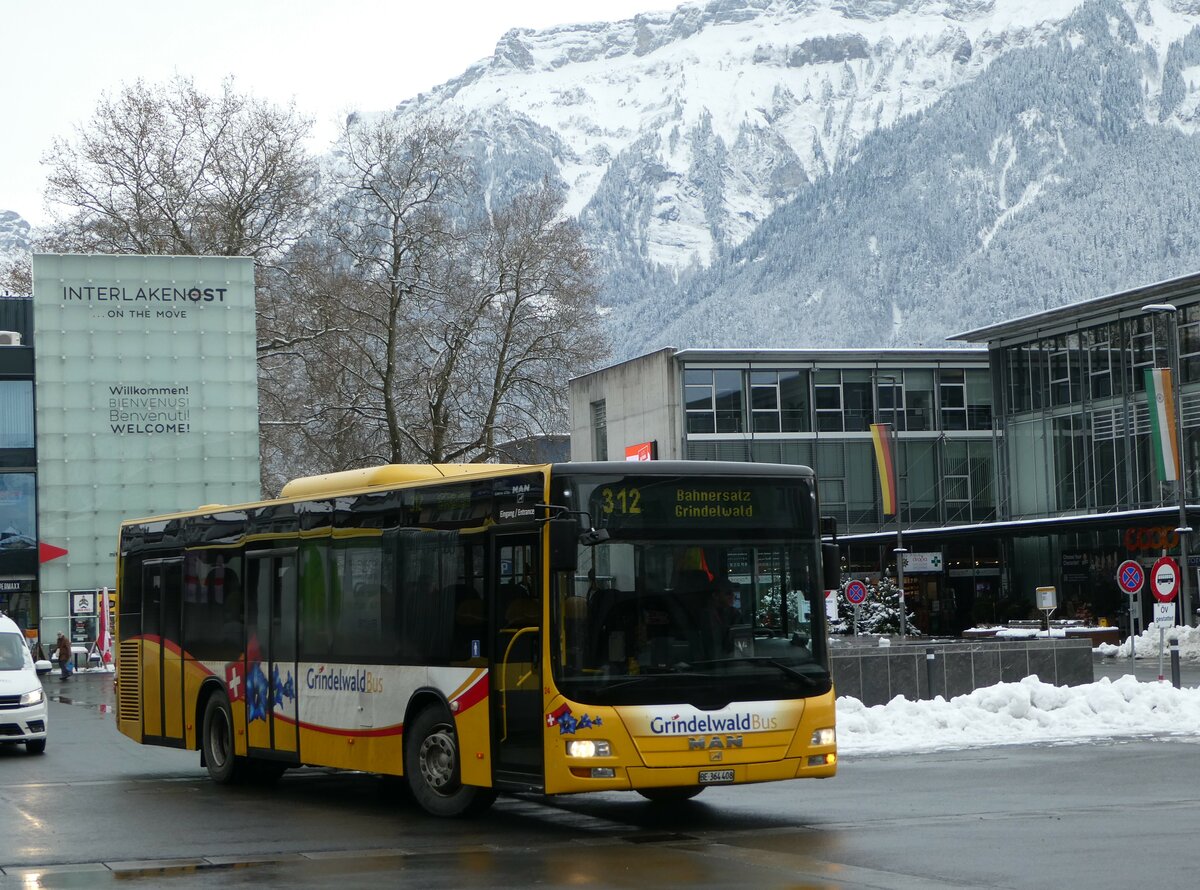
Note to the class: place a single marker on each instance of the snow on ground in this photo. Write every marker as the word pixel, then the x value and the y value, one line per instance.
pixel 1146 644
pixel 1027 712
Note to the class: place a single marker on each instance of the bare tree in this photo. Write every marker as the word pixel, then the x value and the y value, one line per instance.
pixel 169 170
pixel 16 277
pixel 462 327
pixel 495 367
pixel 399 189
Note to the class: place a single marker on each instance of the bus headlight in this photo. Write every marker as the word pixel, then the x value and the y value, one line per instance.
pixel 588 748
pixel 823 737
pixel 32 698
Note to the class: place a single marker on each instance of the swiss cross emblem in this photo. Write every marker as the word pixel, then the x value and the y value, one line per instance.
pixel 236 681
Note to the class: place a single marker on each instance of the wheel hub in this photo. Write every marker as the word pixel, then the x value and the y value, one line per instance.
pixel 437 759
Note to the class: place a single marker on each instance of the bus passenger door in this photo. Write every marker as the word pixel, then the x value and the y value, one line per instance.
pixel 162 657
pixel 516 670
pixel 270 665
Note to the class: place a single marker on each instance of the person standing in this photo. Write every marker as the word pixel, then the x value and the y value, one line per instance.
pixel 63 647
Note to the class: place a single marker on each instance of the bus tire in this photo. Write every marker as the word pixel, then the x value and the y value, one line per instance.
pixel 431 763
pixel 216 739
pixel 670 795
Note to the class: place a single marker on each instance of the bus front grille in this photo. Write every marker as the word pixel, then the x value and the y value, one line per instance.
pixel 129 696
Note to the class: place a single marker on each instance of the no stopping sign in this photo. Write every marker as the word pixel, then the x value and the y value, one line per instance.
pixel 856 592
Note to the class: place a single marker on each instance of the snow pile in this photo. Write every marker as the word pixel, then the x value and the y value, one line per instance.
pixel 1146 644
pixel 1019 713
pixel 1029 633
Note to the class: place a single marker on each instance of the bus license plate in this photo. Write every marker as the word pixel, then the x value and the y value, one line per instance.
pixel 716 776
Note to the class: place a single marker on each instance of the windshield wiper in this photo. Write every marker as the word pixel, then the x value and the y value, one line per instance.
pixel 635 679
pixel 747 659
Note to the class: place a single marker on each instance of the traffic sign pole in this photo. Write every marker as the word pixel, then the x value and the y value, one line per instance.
pixel 856 594
pixel 1130 578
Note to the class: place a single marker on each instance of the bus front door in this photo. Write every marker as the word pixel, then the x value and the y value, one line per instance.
pixel 516 669
pixel 270 660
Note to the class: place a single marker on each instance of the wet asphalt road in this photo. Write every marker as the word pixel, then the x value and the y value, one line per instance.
pixel 97 809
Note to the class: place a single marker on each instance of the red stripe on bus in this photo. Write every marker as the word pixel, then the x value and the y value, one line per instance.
pixel 474 694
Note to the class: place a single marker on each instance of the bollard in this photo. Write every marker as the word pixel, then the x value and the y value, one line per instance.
pixel 1175 680
pixel 929 656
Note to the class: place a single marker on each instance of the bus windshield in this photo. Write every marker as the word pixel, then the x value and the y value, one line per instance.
pixel 709 593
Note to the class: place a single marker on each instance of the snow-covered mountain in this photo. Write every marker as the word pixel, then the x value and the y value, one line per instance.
pixel 14 235
pixel 853 172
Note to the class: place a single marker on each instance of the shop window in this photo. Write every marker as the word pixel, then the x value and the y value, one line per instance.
pixel 1144 351
pixel 16 413
pixel 979 399
pixel 956 482
pixel 599 430
pixel 1016 363
pixel 1039 373
pixel 1065 375
pixel 827 396
pixel 952 396
pixel 714 401
pixel 856 400
pixel 1069 462
pixel 764 401
pixel 1100 360
pixel 779 401
pixel 918 400
pixel 889 396
pixel 1189 343
pixel 18 527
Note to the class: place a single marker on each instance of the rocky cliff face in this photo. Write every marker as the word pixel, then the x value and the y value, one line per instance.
pixel 852 172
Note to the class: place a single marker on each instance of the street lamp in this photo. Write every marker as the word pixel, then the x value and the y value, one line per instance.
pixel 899 551
pixel 1185 587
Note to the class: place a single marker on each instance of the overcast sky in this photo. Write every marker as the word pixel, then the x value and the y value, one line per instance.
pixel 331 56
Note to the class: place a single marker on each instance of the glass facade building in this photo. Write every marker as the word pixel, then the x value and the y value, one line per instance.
pixel 18 463
pixel 815 407
pixel 1075 444
pixel 146 402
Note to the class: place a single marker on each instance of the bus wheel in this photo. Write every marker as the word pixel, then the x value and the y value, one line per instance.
pixel 670 795
pixel 431 755
pixel 216 737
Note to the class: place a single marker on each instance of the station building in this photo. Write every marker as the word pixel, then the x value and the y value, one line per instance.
pixel 1021 465
pixel 128 387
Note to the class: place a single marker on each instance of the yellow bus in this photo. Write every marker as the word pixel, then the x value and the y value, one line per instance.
pixel 656 627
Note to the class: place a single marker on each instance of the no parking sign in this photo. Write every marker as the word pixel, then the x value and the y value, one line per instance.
pixel 856 592
pixel 1130 577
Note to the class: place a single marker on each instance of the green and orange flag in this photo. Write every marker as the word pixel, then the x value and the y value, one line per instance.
pixel 1160 398
pixel 885 460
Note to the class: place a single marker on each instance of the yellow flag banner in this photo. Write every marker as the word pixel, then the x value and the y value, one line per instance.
pixel 885 460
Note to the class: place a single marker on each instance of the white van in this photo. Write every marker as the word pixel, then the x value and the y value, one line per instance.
pixel 22 701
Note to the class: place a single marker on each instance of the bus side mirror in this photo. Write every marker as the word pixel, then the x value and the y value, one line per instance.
pixel 831 566
pixel 564 544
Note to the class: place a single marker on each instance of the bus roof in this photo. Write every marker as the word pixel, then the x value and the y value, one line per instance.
pixel 390 475
pixel 400 475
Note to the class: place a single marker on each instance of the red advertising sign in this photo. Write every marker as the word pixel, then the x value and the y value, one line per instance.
pixel 642 451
